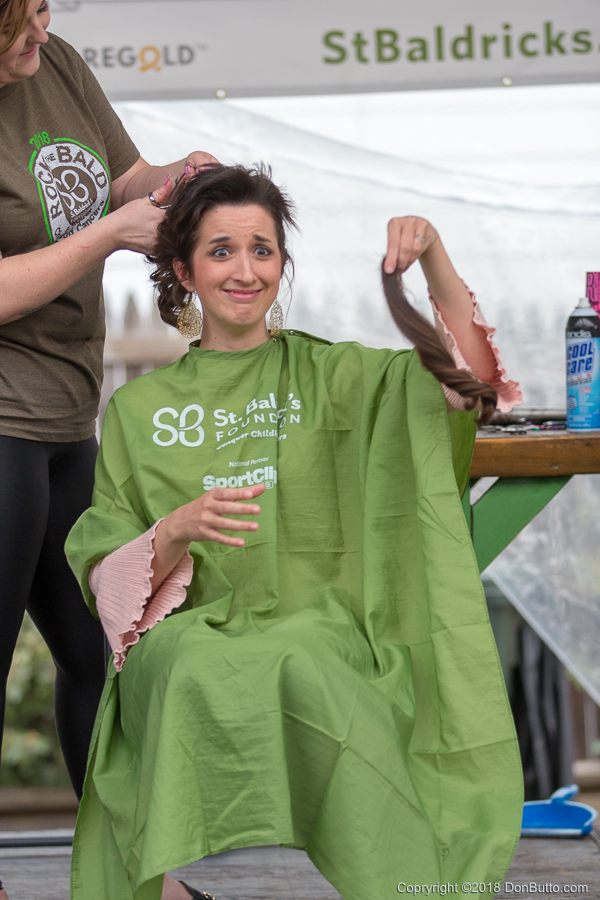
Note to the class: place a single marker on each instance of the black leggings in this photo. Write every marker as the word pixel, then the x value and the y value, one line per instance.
pixel 44 488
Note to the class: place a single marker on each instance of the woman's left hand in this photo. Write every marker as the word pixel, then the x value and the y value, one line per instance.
pixel 409 237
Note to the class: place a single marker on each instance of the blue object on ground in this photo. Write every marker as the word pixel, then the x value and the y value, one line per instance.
pixel 557 817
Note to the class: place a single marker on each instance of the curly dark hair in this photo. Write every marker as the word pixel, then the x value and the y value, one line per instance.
pixel 211 187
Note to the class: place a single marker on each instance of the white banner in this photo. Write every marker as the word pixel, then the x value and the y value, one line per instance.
pixel 163 49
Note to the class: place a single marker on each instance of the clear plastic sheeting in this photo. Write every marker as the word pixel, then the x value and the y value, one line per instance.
pixel 551 574
pixel 523 248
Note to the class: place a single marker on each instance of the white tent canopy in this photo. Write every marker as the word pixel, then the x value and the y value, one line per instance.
pixel 523 247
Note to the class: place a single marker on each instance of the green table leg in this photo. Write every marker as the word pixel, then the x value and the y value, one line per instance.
pixel 504 510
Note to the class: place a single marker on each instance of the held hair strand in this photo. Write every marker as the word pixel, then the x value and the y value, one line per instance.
pixel 433 354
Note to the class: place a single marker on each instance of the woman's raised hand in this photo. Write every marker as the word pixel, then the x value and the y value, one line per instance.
pixel 409 237
pixel 206 518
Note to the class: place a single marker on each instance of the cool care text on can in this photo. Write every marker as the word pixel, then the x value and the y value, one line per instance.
pixel 583 369
pixel 580 358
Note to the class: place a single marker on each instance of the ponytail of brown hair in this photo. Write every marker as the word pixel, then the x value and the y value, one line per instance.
pixel 433 354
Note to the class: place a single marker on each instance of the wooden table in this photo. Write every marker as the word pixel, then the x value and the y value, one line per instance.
pixel 531 469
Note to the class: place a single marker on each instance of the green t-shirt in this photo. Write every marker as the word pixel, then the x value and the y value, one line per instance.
pixel 61 145
pixel 333 684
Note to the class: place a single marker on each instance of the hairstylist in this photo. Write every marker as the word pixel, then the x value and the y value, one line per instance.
pixel 73 189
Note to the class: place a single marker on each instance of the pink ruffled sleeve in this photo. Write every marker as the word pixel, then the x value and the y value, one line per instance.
pixel 509 393
pixel 121 583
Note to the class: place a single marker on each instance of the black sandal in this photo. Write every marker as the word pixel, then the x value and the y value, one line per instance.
pixel 197 895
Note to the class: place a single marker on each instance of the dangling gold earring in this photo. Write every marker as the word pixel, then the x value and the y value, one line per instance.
pixel 189 320
pixel 276 319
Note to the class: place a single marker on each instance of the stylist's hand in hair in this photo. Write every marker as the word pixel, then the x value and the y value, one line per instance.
pixel 197 160
pixel 409 237
pixel 136 222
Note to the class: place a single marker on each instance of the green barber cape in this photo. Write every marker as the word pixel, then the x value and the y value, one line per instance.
pixel 333 685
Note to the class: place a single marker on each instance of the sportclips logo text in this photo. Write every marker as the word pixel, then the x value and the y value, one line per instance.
pixel 393 45
pixel 266 476
pixel 151 58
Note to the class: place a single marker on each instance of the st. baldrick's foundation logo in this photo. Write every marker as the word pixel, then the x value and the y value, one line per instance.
pixel 73 184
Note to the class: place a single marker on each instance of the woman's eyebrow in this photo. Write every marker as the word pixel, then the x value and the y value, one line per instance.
pixel 224 238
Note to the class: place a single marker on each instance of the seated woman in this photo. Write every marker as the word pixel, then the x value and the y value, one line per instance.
pixel 329 680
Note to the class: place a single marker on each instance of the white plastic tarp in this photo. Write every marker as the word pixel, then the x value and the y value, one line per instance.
pixel 551 574
pixel 161 49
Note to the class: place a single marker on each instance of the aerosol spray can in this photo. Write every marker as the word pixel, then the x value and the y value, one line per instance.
pixel 583 360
